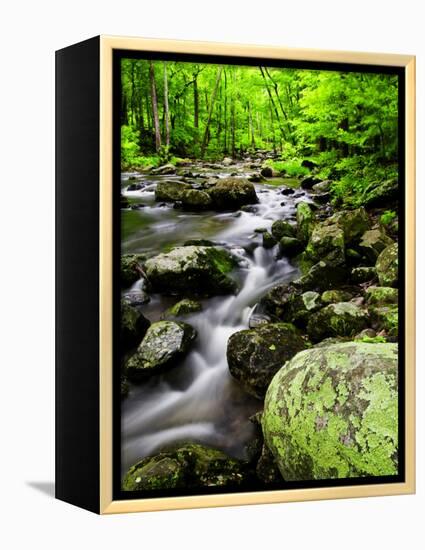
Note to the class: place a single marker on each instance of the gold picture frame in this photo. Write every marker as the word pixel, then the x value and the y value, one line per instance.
pixel 106 47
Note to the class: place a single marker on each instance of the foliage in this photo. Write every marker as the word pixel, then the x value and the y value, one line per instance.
pixel 387 217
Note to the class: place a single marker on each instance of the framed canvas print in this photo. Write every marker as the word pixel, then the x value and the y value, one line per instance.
pixel 235 274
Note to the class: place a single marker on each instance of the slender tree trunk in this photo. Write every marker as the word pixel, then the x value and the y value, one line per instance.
pixel 210 111
pixel 225 112
pixel 251 126
pixel 195 103
pixel 273 104
pixel 154 107
pixel 166 111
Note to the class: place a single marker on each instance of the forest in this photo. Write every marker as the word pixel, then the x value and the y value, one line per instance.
pixel 343 123
pixel 259 277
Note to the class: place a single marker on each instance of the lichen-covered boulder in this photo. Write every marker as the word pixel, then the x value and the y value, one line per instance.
pixel 192 269
pixel 334 296
pixel 131 269
pixel 290 246
pixel 282 228
pixel 171 190
pixel 187 467
pixel 363 274
pixel 184 307
pixel 332 413
pixel 254 356
pixel 341 319
pixel 232 193
pixel 387 266
pixel 322 276
pixel 164 343
pixel 305 221
pixel 326 244
pixel 133 325
pixel 194 199
pixel 381 295
pixel 352 222
pixel 373 243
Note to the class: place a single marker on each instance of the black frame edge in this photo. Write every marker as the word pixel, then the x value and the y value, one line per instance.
pixel 77 275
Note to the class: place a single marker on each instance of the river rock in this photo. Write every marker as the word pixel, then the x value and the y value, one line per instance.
pixel 282 228
pixel 334 296
pixel 305 221
pixel 190 466
pixel 363 274
pixel 352 222
pixel 381 295
pixel 387 266
pixel 165 170
pixel 326 243
pixel 290 246
pixel 131 269
pixel 341 319
pixel 171 190
pixel 373 243
pixel 322 276
pixel 267 171
pixel 232 193
pixel 254 356
pixel 136 297
pixel 164 343
pixel 184 307
pixel 322 187
pixel 193 199
pixel 133 325
pixel 331 413
pixel 192 269
pixel 309 181
pixel 268 240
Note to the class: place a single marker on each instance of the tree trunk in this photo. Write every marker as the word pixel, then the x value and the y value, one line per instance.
pixel 154 107
pixel 210 111
pixel 195 103
pixel 273 104
pixel 251 126
pixel 166 111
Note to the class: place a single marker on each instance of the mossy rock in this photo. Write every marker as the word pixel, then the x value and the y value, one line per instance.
pixel 322 276
pixel 300 307
pixel 341 319
pixel 131 268
pixel 254 356
pixel 268 240
pixel 381 295
pixel 332 413
pixel 335 296
pixel 199 270
pixel 282 228
pixel 194 199
pixel 373 243
pixel 188 467
pixel 232 193
pixel 276 300
pixel 164 344
pixel 326 244
pixel 352 222
pixel 184 307
pixel 290 246
pixel 171 191
pixel 363 274
pixel 266 469
pixel 305 221
pixel 380 194
pixel 133 325
pixel 385 317
pixel 387 266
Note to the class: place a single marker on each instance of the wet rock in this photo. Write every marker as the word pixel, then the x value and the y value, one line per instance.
pixel 267 172
pixel 165 170
pixel 363 274
pixel 133 325
pixel 290 246
pixel 322 198
pixel 287 191
pixel 252 209
pixel 331 413
pixel 131 268
pixel 322 276
pixel 171 190
pixel 309 181
pixel 184 307
pixel 134 187
pixel 136 297
pixel 387 266
pixel 164 343
pixel 322 187
pixel 373 243
pixel 193 199
pixel 305 221
pixel 341 319
pixel 190 466
pixel 268 240
pixel 231 193
pixel 254 356
pixel 256 178
pixel 282 228
pixel 196 269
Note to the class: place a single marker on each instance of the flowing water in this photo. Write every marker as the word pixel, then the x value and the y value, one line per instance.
pixel 199 400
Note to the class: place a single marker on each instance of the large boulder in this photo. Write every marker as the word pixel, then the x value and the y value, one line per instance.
pixel 187 467
pixel 341 319
pixel 254 356
pixel 232 193
pixel 282 228
pixel 171 190
pixel 352 222
pixel 133 325
pixel 379 194
pixel 194 199
pixel 373 243
pixel 387 266
pixel 381 295
pixel 192 269
pixel 327 244
pixel 164 343
pixel 305 221
pixel 131 269
pixel 332 413
pixel 309 182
